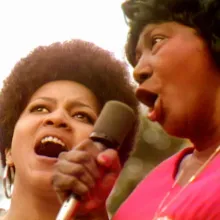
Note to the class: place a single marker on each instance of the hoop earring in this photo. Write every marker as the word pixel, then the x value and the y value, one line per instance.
pixel 8 180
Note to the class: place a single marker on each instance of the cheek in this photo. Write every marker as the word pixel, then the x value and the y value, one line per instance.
pixel 23 134
pixel 82 132
pixel 21 130
pixel 18 136
pixel 181 65
pixel 17 148
pixel 181 108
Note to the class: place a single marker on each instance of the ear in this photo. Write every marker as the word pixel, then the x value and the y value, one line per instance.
pixel 8 156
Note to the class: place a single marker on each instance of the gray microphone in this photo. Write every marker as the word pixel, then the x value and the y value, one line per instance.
pixel 113 124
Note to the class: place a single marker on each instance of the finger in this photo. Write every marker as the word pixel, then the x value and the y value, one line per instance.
pixel 97 197
pixel 82 157
pixel 108 182
pixel 105 186
pixel 62 195
pixel 76 170
pixel 65 183
pixel 109 159
pixel 93 147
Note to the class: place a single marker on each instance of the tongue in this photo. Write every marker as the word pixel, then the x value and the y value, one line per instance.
pixel 152 115
pixel 49 149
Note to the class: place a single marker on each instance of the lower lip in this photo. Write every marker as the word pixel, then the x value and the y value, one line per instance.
pixel 152 115
pixel 44 159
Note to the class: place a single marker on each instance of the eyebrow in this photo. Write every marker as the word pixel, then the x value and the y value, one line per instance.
pixel 71 103
pixel 148 30
pixel 146 33
pixel 46 99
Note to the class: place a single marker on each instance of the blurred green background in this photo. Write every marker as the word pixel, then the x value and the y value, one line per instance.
pixel 153 146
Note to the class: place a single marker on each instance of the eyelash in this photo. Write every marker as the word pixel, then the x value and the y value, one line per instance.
pixel 154 40
pixel 83 115
pixel 37 107
pixel 90 120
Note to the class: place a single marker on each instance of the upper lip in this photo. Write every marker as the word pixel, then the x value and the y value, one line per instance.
pixel 146 97
pixel 58 136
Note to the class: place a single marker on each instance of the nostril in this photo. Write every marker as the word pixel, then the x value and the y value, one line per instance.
pixel 63 125
pixel 49 122
pixel 58 124
pixel 140 78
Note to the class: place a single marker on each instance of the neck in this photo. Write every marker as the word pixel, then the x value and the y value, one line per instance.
pixel 204 133
pixel 206 137
pixel 206 146
pixel 26 204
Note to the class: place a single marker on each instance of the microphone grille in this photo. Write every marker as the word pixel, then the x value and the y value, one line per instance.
pixel 113 124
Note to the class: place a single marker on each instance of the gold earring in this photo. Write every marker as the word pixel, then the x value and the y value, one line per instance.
pixel 8 180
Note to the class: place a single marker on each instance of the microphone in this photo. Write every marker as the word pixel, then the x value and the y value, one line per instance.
pixel 110 129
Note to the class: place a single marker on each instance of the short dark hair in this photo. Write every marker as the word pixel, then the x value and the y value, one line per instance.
pixel 202 15
pixel 75 60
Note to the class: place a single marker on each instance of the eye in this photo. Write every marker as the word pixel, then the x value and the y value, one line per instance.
pixel 39 108
pixel 83 117
pixel 156 40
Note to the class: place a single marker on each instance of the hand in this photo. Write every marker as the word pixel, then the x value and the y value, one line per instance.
pixel 89 171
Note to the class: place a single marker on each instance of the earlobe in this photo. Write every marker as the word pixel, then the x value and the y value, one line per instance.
pixel 8 157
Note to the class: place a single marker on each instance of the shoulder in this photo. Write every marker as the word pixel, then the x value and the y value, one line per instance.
pixel 152 186
pixel 170 165
pixel 163 174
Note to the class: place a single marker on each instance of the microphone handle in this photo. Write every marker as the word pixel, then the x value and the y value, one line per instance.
pixel 71 204
pixel 110 129
pixel 69 208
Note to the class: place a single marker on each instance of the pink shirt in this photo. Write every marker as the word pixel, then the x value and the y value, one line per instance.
pixel 199 201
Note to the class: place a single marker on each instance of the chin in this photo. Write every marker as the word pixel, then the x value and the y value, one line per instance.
pixel 174 129
pixel 42 181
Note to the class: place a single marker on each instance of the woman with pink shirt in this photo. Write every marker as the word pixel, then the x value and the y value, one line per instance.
pixel 174 47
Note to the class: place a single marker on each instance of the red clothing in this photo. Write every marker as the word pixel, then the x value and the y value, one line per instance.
pixel 199 201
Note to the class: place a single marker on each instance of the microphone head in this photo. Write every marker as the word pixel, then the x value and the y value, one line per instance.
pixel 113 124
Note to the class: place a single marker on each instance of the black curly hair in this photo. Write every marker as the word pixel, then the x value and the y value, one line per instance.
pixel 75 60
pixel 202 15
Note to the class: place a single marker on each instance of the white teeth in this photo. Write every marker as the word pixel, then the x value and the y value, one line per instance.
pixel 52 139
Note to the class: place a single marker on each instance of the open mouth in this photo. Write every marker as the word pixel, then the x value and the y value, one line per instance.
pixel 151 100
pixel 50 147
pixel 146 97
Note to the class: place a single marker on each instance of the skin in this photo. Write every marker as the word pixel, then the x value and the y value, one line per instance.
pixel 174 64
pixel 66 110
pixel 179 82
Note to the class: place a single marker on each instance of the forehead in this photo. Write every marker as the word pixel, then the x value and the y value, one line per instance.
pixel 147 32
pixel 63 89
pixel 148 29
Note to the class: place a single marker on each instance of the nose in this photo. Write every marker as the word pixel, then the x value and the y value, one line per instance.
pixel 143 69
pixel 142 72
pixel 57 119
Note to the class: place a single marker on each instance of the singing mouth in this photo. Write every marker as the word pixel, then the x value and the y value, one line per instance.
pixel 50 146
pixel 151 100
pixel 146 97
